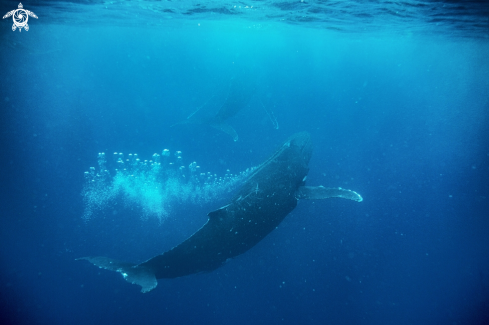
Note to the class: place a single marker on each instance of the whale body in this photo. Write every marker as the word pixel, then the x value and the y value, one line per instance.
pixel 269 194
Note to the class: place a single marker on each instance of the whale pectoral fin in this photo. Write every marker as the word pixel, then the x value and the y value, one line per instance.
pixel 321 192
pixel 132 273
pixel 226 128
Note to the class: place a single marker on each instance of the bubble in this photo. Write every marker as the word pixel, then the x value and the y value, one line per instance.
pixel 153 187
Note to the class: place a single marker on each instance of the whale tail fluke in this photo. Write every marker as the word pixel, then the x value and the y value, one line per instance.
pixel 132 273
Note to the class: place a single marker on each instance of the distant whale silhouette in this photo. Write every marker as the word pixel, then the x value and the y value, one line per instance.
pixel 265 199
pixel 238 97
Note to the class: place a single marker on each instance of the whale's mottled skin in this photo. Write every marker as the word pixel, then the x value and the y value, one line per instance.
pixel 265 199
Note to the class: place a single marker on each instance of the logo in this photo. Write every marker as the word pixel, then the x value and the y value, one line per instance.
pixel 20 17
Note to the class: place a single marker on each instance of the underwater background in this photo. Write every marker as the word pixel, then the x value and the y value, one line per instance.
pixel 395 95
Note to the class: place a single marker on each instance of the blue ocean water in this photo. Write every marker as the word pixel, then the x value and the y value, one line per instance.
pixel 395 96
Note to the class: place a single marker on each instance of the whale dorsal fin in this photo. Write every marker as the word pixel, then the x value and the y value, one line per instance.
pixel 321 192
pixel 218 214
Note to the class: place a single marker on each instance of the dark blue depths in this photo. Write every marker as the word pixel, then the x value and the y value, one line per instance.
pixel 401 120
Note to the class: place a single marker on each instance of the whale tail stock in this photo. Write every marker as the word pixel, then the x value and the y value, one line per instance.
pixel 132 273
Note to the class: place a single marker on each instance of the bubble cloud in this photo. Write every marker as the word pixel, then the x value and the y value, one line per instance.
pixel 153 186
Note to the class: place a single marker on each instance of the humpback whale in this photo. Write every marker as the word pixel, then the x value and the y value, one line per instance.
pixel 268 195
pixel 238 97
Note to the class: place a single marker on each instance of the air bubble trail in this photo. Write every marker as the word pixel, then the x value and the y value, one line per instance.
pixel 153 186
